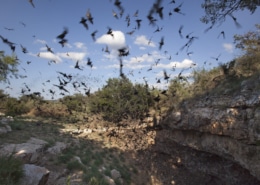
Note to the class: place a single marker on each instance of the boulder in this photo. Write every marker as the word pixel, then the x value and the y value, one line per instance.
pixel 34 175
pixel 29 151
pixel 57 148
pixel 4 128
pixel 115 174
pixel 109 180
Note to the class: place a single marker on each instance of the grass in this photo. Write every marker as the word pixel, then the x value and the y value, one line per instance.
pixel 94 160
pixel 17 125
pixel 66 156
pixel 94 176
pixel 50 142
pixel 11 170
pixel 74 165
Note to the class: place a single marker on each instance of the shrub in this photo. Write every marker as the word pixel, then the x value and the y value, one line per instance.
pixel 15 107
pixel 120 99
pixel 11 170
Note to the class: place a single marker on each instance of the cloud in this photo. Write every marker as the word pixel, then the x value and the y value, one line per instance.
pixel 186 63
pixel 184 73
pixel 143 41
pixel 40 41
pixel 43 49
pixel 59 56
pixel 80 45
pixel 114 42
pixel 148 57
pixel 228 47
pixel 142 48
pixel 50 56
pixel 73 55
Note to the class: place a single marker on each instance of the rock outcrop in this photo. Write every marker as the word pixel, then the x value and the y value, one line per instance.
pixel 4 126
pixel 29 152
pixel 35 175
pixel 224 125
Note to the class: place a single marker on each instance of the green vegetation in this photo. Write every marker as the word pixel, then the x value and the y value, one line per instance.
pixel 120 99
pixel 95 163
pixel 11 170
pixel 8 67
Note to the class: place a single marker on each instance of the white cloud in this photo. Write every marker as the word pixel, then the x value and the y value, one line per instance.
pixel 40 41
pixel 50 56
pixel 73 55
pixel 114 42
pixel 148 57
pixel 68 45
pixel 80 45
pixel 142 48
pixel 43 49
pixel 186 63
pixel 228 47
pixel 137 66
pixel 143 41
pixel 113 66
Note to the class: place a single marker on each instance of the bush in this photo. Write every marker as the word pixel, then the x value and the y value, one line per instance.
pixel 11 170
pixel 52 109
pixel 76 102
pixel 15 107
pixel 120 99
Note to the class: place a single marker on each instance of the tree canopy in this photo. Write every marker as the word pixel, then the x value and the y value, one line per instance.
pixel 8 66
pixel 216 11
pixel 249 42
pixel 120 99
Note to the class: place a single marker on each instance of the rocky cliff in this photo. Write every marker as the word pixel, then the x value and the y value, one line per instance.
pixel 226 125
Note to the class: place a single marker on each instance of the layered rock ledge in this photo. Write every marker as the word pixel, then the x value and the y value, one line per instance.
pixel 227 126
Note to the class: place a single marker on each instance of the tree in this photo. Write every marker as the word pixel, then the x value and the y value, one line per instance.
pixel 216 11
pixel 77 102
pixel 249 42
pixel 248 63
pixel 120 99
pixel 8 66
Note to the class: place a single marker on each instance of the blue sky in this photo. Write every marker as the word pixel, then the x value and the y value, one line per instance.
pixel 33 28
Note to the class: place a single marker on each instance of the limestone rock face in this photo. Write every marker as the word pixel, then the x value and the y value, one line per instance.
pixel 228 126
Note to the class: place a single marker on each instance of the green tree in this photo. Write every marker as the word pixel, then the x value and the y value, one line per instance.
pixel 216 11
pixel 120 99
pixel 249 43
pixel 16 107
pixel 75 103
pixel 178 91
pixel 8 66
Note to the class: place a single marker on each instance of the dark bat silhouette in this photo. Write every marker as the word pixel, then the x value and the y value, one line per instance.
pixel 77 66
pixel 93 35
pixel 161 43
pixel 89 17
pixel 31 2
pixel 63 34
pixel 83 21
